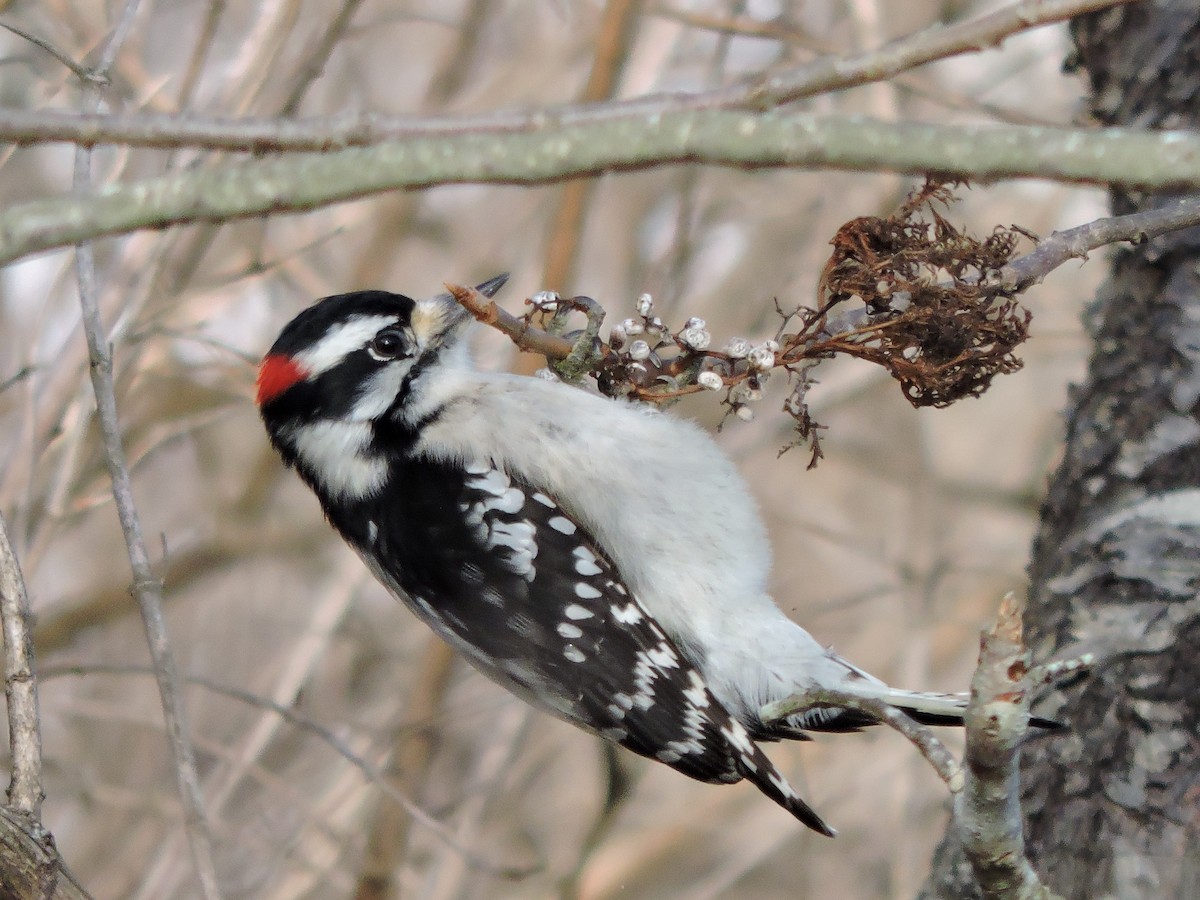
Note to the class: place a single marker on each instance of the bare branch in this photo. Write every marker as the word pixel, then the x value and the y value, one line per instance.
pixel 30 863
pixel 147 589
pixel 988 809
pixel 328 736
pixel 552 152
pixel 77 70
pixel 530 339
pixel 20 686
pixel 314 65
pixel 926 46
pixel 1076 243
pixel 339 132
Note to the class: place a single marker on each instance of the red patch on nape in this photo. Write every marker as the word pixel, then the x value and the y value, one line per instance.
pixel 276 374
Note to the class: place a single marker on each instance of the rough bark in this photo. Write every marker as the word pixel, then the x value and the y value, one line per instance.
pixel 1112 808
pixel 30 867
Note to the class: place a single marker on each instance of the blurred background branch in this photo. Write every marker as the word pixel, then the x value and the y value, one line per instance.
pixel 147 588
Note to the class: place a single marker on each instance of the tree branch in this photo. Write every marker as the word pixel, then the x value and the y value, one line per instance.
pixel 20 686
pixel 30 867
pixel 339 132
pixel 146 588
pixel 987 811
pixel 552 152
pixel 1076 243
pixel 77 70
pixel 525 336
pixel 934 43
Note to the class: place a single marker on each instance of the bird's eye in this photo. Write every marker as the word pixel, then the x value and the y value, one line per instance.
pixel 388 344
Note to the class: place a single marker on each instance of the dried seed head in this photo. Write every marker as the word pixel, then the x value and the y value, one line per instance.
pixel 696 322
pixel 737 348
pixel 761 357
pixel 636 373
pixel 639 350
pixel 545 299
pixel 710 381
pixel 745 413
pixel 645 305
pixel 695 338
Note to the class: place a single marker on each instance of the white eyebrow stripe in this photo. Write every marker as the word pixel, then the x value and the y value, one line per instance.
pixel 340 340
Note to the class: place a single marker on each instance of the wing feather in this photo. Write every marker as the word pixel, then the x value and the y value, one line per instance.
pixel 507 576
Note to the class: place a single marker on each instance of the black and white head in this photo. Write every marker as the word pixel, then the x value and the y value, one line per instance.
pixel 347 367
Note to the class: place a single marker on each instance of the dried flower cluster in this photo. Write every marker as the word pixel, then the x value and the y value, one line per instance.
pixel 933 317
pixel 909 292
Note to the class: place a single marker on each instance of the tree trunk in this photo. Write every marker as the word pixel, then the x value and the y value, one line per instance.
pixel 1113 807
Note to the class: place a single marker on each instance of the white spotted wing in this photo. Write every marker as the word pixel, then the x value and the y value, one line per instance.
pixel 519 587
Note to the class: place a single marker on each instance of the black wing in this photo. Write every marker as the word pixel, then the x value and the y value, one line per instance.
pixel 506 576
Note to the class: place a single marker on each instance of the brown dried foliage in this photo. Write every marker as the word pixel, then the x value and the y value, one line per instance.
pixel 933 319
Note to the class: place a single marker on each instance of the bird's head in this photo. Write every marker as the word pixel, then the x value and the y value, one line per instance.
pixel 348 356
pixel 350 360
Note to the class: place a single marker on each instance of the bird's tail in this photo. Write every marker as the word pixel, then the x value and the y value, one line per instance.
pixel 757 768
pixel 928 708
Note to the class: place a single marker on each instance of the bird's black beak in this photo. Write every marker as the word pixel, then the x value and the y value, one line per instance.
pixel 492 285
pixel 443 315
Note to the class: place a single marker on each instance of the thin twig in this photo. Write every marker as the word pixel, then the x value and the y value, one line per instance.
pixel 314 65
pixel 921 736
pixel 924 47
pixel 297 720
pixel 357 130
pixel 1076 243
pixel 534 340
pixel 20 686
pixel 407 770
pixel 77 70
pixel 147 588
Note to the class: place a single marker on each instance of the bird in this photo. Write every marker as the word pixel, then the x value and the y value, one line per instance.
pixel 601 559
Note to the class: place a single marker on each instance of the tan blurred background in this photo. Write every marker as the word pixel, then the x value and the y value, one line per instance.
pixel 896 549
